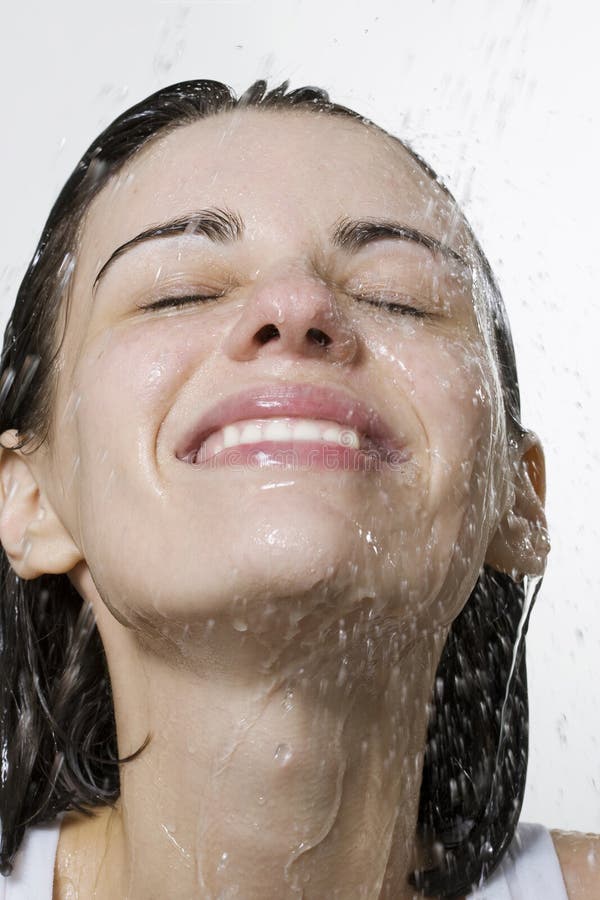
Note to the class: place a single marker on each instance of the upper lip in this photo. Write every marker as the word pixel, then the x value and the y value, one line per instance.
pixel 287 399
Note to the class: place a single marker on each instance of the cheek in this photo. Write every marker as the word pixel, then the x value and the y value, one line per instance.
pixel 128 377
pixel 449 387
pixel 453 392
pixel 455 396
pixel 124 384
pixel 448 383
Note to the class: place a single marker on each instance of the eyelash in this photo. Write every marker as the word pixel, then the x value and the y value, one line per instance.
pixel 167 302
pixel 396 308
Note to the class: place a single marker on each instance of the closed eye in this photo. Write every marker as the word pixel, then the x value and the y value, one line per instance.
pixel 395 306
pixel 182 300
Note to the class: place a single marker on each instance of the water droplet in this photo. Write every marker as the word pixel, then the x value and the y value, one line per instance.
pixel 288 700
pixel 283 754
pixel 156 373
pixel 342 673
pixel 223 861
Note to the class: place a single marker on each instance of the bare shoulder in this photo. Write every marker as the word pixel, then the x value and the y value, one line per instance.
pixel 579 856
pixel 79 845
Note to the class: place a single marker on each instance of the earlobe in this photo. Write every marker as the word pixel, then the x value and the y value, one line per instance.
pixel 520 545
pixel 34 539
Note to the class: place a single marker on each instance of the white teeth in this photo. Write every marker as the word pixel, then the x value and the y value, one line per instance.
pixel 286 429
pixel 250 433
pixel 276 430
pixel 231 436
pixel 307 431
pixel 333 435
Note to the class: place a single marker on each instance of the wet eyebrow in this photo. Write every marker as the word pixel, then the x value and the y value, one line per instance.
pixel 352 234
pixel 219 225
pixel 224 226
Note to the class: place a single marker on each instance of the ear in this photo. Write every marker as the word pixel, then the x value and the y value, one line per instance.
pixel 34 538
pixel 520 545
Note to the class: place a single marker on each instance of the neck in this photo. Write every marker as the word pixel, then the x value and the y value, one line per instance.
pixel 291 774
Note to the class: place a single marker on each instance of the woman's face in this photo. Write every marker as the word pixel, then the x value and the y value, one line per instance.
pixel 168 542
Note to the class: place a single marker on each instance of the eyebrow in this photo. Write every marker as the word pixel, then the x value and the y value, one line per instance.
pixel 352 234
pixel 219 225
pixel 224 226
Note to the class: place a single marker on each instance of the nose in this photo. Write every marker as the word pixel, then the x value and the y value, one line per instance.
pixel 293 316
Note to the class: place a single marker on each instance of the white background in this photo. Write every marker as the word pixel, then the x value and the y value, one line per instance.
pixel 502 99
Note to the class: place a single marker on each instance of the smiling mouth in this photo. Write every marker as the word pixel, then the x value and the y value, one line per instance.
pixel 293 442
pixel 292 424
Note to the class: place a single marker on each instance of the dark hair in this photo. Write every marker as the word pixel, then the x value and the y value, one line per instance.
pixel 58 733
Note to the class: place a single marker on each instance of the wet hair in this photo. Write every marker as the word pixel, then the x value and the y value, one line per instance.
pixel 57 725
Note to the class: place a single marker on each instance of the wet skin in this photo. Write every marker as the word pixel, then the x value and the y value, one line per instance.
pixel 244 610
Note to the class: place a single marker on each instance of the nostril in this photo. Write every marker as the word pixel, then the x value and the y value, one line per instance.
pixel 318 336
pixel 269 331
pixel 266 333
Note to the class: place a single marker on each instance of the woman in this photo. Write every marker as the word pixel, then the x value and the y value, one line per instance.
pixel 272 529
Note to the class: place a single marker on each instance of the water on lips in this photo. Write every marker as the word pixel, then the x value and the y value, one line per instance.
pixel 252 431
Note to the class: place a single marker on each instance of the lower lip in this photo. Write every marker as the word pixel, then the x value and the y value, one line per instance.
pixel 303 454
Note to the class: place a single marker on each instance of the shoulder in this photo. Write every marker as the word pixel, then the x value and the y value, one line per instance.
pixel 79 850
pixel 70 852
pixel 579 856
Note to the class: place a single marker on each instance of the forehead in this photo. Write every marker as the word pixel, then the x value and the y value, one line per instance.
pixel 292 172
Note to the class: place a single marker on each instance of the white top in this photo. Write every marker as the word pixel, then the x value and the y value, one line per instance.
pixel 529 871
pixel 32 877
